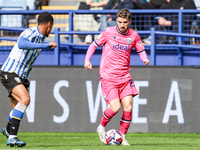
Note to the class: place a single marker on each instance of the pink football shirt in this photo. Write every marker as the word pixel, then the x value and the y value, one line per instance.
pixel 115 60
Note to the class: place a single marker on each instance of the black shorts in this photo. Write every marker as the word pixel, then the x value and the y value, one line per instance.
pixel 10 80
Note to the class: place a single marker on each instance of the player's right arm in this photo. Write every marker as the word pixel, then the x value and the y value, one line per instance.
pixel 89 54
pixel 101 39
pixel 25 43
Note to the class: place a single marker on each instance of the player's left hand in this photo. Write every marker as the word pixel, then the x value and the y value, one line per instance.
pixel 52 45
pixel 88 65
pixel 147 62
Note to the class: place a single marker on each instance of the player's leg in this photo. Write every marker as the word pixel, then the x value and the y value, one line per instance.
pixel 126 116
pixel 111 97
pixel 6 130
pixel 21 96
pixel 6 80
pixel 110 112
pixel 127 91
pixel 17 90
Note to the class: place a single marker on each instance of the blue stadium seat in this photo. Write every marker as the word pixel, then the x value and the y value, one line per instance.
pixel 12 20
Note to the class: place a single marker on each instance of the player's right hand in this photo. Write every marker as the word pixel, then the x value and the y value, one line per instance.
pixel 52 45
pixel 88 65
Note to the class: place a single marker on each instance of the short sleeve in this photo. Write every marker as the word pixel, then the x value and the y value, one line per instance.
pixel 138 44
pixel 101 39
pixel 27 33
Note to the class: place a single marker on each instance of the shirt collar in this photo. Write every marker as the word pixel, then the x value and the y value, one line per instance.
pixel 40 33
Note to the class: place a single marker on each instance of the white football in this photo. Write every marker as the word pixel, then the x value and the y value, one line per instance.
pixel 113 137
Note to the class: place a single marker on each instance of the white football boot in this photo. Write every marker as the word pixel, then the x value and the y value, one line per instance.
pixel 125 143
pixel 102 135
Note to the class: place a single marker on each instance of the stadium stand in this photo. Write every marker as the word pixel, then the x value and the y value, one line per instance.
pixel 13 20
pixel 72 50
pixel 64 2
pixel 31 4
pixel 195 28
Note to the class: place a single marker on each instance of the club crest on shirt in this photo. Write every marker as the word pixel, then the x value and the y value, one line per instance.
pixel 114 37
pixel 129 40
pixel 17 79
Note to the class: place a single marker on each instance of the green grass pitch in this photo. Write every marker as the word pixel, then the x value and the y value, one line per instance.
pixel 90 141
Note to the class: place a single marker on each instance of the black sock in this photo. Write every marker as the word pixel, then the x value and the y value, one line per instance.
pixel 14 126
pixel 8 127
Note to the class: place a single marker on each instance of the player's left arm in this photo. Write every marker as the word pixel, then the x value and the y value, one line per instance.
pixel 141 50
pixel 143 57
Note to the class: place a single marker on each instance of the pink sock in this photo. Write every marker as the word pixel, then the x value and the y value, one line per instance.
pixel 107 116
pixel 125 121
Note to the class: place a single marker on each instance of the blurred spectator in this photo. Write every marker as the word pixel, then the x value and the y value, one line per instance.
pixel 88 22
pixel 142 1
pixel 40 3
pixel 47 2
pixel 97 3
pixel 152 4
pixel 171 21
pixel 92 3
pixel 147 20
pixel 175 4
pixel 110 20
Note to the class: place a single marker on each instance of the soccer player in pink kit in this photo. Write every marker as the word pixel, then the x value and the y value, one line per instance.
pixel 117 85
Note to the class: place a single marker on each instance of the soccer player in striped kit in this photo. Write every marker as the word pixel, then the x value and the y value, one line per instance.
pixel 117 85
pixel 15 72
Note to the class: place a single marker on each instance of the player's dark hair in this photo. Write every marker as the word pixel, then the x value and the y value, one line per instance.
pixel 124 13
pixel 45 17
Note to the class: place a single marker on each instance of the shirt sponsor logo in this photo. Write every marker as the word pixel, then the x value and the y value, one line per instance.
pixel 121 47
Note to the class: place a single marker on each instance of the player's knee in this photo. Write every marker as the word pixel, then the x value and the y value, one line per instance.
pixel 128 108
pixel 116 108
pixel 25 100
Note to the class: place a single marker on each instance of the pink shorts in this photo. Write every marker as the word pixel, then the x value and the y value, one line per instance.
pixel 117 89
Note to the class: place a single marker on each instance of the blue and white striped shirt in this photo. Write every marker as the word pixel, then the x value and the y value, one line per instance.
pixel 25 52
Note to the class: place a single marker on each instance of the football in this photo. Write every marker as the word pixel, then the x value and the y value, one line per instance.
pixel 113 137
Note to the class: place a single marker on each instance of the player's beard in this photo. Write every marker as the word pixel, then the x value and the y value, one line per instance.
pixel 123 30
pixel 46 34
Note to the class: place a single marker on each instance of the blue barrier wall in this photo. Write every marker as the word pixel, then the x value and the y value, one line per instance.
pixel 72 52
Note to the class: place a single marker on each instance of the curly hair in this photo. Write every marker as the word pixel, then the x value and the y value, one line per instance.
pixel 124 13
